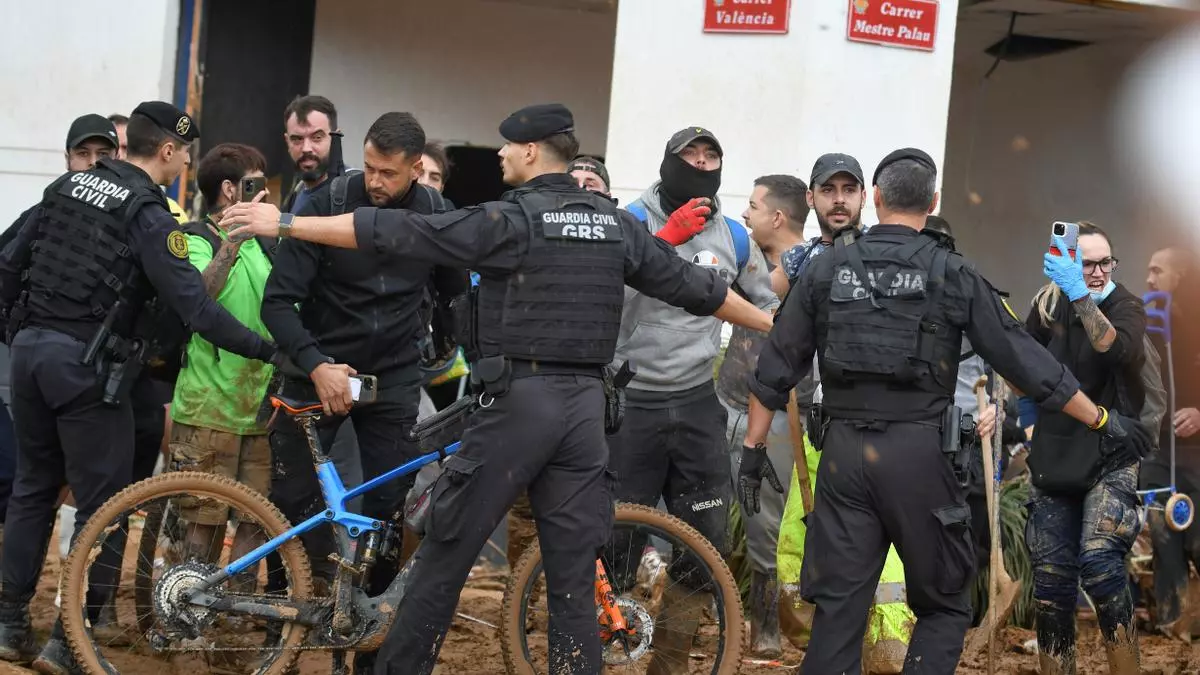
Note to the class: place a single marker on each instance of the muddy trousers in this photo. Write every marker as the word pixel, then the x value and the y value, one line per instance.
pixel 545 436
pixel 1082 540
pixel 879 484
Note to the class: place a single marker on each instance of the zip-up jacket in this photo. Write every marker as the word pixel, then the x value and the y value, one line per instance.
pixel 352 306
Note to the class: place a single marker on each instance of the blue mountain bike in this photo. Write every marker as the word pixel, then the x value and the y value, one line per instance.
pixel 198 591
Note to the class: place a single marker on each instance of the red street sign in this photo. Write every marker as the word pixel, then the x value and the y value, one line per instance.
pixel 898 23
pixel 746 16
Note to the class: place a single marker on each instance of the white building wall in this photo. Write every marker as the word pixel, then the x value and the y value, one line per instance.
pixel 776 102
pixel 55 65
pixel 461 66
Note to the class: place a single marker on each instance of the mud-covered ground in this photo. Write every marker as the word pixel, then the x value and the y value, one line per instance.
pixel 471 648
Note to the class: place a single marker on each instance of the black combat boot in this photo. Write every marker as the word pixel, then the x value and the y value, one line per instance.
pixel 16 634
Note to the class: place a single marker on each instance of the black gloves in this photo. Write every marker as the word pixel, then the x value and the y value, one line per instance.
pixel 754 467
pixel 1126 440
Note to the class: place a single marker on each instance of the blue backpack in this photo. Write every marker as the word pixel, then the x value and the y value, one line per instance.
pixel 741 238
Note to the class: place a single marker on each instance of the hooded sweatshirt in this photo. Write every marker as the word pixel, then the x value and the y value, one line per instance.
pixel 675 351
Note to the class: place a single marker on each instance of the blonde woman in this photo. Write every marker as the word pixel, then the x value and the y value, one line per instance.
pixel 1083 515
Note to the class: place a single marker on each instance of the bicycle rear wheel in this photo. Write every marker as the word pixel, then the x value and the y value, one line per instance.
pixel 681 588
pixel 235 636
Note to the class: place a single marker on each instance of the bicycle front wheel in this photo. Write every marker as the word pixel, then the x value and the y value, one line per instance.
pixel 673 589
pixel 152 618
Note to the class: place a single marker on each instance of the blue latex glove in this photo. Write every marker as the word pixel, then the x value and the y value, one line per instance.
pixel 1065 271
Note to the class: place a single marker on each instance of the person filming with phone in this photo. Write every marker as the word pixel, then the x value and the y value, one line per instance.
pixel 1083 515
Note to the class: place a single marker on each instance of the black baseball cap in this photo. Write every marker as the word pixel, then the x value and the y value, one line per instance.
pixel 590 164
pixel 680 139
pixel 537 122
pixel 170 119
pixel 831 164
pixel 91 126
pixel 919 156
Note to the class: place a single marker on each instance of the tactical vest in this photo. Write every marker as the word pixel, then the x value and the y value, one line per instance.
pixel 889 354
pixel 564 303
pixel 81 261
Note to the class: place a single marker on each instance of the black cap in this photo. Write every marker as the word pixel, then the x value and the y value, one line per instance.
pixel 91 126
pixel 918 156
pixel 831 164
pixel 170 119
pixel 681 138
pixel 590 164
pixel 536 122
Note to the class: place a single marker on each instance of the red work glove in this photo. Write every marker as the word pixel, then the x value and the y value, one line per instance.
pixel 687 221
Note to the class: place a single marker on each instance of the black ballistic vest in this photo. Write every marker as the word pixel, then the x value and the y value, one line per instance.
pixel 81 261
pixel 889 353
pixel 564 303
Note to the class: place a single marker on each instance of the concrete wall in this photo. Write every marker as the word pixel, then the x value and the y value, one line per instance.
pixel 461 66
pixel 1036 145
pixel 57 65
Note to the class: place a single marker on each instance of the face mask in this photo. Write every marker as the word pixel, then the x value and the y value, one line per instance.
pixel 1099 296
pixel 682 181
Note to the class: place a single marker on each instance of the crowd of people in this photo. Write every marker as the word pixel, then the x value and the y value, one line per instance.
pixel 863 336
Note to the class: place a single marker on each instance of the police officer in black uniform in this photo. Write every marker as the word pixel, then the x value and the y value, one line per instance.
pixel 886 312
pixel 74 286
pixel 553 262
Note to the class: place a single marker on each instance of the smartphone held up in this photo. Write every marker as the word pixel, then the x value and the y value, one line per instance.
pixel 1068 233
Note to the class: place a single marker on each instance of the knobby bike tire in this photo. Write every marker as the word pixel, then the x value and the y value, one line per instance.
pixel 512 628
pixel 197 484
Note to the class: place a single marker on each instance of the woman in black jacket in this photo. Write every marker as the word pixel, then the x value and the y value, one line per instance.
pixel 1083 515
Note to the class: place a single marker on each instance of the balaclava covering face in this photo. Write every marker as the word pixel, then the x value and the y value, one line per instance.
pixel 681 181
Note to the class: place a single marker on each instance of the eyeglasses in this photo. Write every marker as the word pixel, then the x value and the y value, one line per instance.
pixel 1107 265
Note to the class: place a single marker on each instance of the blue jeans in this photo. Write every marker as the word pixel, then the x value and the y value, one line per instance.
pixel 1082 540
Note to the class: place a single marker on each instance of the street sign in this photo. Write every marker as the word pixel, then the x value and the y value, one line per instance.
pixel 746 16
pixel 896 23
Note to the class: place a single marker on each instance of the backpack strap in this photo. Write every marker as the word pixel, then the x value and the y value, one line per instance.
pixel 439 202
pixel 201 229
pixel 741 242
pixel 638 209
pixel 338 187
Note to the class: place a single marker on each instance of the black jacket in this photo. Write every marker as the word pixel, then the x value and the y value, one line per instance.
pixel 1066 456
pixel 357 307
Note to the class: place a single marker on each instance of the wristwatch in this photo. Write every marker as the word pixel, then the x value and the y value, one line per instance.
pixel 285 224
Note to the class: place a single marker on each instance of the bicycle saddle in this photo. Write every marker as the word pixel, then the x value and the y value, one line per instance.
pixel 297 407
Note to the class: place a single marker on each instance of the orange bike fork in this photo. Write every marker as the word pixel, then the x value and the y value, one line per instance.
pixel 611 620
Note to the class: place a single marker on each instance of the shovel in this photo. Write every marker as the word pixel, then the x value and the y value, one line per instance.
pixel 1002 589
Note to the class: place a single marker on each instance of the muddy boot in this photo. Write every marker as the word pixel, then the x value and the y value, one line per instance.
pixel 675 630
pixel 58 659
pixel 764 617
pixel 1115 617
pixel 885 657
pixel 16 634
pixel 1056 639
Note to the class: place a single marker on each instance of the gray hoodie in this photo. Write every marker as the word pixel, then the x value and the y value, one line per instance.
pixel 672 349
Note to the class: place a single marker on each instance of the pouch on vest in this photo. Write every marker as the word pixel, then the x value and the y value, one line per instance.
pixel 493 375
